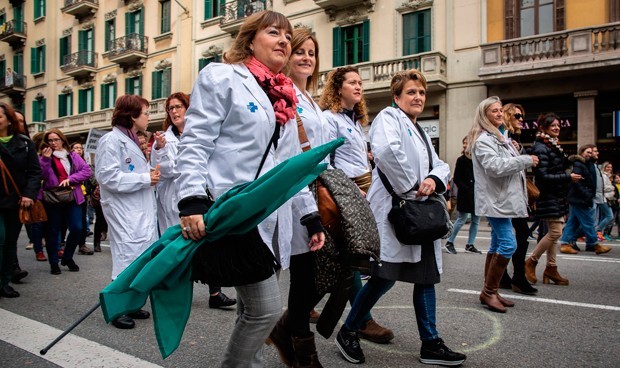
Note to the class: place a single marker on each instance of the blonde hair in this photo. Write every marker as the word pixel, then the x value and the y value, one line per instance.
pixel 481 124
pixel 330 97
pixel 509 117
pixel 240 49
pixel 301 35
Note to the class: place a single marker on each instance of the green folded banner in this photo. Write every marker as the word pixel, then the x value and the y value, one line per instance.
pixel 164 271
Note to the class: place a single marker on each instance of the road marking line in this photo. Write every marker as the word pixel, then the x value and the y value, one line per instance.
pixel 544 300
pixel 610 244
pixel 32 336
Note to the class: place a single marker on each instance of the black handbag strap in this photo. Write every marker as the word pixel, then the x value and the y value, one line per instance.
pixel 386 182
pixel 273 140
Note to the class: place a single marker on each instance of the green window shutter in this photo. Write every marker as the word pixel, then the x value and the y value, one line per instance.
pixel 202 62
pixel 128 23
pixel 208 7
pixel 139 79
pixel 127 86
pixel 81 101
pixel 155 85
pixel 104 96
pixel 63 50
pixel 43 109
pixel 141 23
pixel 82 41
pixel 426 43
pixel 18 63
pixel 337 54
pixel 42 48
pixel 166 82
pixel 366 40
pixel 113 100
pixel 61 106
pixel 2 69
pixel 35 113
pixel 70 104
pixel 33 60
pixel 165 16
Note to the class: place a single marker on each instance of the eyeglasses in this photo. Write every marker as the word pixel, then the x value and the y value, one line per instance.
pixel 146 113
pixel 172 107
pixel 518 116
pixel 54 140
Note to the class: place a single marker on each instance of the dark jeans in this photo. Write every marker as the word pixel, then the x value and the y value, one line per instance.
pixel 9 232
pixel 522 232
pixel 71 214
pixel 101 225
pixel 354 291
pixel 424 303
pixel 37 231
pixel 302 296
pixel 84 207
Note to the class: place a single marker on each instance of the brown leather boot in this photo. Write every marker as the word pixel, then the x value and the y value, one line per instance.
pixel 281 338
pixel 314 316
pixel 376 333
pixel 305 353
pixel 530 270
pixel 567 249
pixel 551 274
pixel 505 302
pixel 489 295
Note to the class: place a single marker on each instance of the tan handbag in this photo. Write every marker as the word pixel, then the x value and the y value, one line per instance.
pixel 532 192
pixel 33 214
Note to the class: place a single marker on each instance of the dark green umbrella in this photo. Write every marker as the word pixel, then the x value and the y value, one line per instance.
pixel 163 271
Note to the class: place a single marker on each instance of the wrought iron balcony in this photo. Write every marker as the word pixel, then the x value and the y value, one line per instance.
pixel 377 75
pixel 129 49
pixel 13 83
pixel 233 13
pixel 13 32
pixel 340 4
pixel 80 64
pixel 557 52
pixel 80 8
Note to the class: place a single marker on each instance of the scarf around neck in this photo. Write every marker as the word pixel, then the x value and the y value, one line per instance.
pixel 62 156
pixel 278 87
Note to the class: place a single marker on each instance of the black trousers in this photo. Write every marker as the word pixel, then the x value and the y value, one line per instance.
pixel 302 296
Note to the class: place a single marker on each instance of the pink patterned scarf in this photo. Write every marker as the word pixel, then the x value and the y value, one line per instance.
pixel 278 87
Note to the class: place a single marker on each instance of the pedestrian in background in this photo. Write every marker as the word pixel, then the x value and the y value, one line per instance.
pixel 86 190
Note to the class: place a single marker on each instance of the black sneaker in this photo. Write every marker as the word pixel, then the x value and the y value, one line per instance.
pixel 471 249
pixel 575 247
pixel 221 301
pixel 349 345
pixel 449 247
pixel 436 352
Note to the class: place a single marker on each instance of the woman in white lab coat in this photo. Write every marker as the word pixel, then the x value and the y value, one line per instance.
pixel 126 184
pixel 164 154
pixel 401 151
pixel 344 107
pixel 236 109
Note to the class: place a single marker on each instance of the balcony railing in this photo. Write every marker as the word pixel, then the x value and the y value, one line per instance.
pixel 13 32
pixel 583 48
pixel 233 13
pixel 128 49
pixel 378 75
pixel 80 8
pixel 80 63
pixel 12 83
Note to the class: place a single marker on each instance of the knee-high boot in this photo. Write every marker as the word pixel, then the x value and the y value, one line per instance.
pixel 505 302
pixel 305 353
pixel 489 295
pixel 280 336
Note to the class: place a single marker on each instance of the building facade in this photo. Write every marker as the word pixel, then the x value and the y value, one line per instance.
pixel 66 61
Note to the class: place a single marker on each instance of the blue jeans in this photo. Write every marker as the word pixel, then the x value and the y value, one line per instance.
pixel 604 216
pixel 424 303
pixel 458 224
pixel 70 213
pixel 580 217
pixel 354 291
pixel 503 240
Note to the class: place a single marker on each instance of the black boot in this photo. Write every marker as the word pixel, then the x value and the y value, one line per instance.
pixel 505 282
pixel 220 300
pixel 18 273
pixel 521 285
pixel 437 353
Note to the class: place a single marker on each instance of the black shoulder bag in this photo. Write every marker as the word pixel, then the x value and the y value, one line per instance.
pixel 236 260
pixel 418 222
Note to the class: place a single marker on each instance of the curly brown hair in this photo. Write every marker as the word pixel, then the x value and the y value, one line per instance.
pixel 330 97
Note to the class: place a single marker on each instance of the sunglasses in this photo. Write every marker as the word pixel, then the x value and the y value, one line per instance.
pixel 518 116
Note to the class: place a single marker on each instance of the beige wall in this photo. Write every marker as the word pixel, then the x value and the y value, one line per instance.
pixel 585 13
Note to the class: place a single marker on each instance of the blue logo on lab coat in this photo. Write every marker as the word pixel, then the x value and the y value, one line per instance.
pixel 252 107
pixel 350 130
pixel 299 110
pixel 410 133
pixel 131 167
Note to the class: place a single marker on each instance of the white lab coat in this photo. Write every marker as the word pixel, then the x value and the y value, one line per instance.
pixel 352 156
pixel 127 198
pixel 400 152
pixel 166 193
pixel 228 126
pixel 317 128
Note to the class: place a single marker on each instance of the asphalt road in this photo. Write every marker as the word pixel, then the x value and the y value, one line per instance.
pixel 563 326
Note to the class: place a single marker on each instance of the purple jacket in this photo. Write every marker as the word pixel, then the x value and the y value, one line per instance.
pixel 80 171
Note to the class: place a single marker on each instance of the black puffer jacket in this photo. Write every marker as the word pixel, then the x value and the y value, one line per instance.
pixel 20 157
pixel 464 180
pixel 552 180
pixel 582 192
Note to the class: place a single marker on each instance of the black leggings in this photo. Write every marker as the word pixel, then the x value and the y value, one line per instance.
pixel 302 296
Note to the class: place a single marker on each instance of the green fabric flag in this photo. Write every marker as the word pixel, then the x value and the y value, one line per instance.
pixel 163 271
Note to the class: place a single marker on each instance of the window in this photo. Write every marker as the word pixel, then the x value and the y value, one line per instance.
pixel 165 16
pixel 2 72
pixel 18 16
pixel 110 34
pixel 38 110
pixel 86 100
pixel 533 17
pixel 108 95
pixel 212 8
pixel 39 9
pixel 351 44
pixel 18 63
pixel 202 62
pixel 65 104
pixel 133 86
pixel 134 22
pixel 37 59
pixel 161 83
pixel 86 46
pixel 417 32
pixel 65 49
pixel 2 18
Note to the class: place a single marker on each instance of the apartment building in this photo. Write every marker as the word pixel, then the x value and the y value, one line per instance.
pixel 70 59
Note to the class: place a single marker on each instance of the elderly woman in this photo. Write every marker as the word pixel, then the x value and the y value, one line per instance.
pixel 18 156
pixel 499 171
pixel 406 161
pixel 344 108
pixel 62 168
pixel 242 112
pixel 126 186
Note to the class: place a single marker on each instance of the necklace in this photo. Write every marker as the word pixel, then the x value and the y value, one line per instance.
pixel 550 142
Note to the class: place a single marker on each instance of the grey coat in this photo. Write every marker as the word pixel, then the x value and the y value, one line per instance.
pixel 499 172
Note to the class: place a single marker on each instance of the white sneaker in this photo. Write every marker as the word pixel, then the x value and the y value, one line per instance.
pixel 29 246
